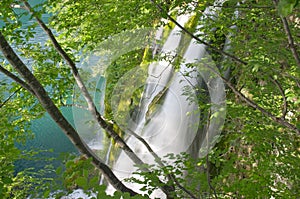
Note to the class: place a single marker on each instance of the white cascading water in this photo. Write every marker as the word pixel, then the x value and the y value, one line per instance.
pixel 159 74
pixel 173 126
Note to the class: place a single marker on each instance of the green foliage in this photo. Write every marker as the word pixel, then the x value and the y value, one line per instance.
pixel 87 25
pixel 256 157
pixel 14 130
pixel 285 7
pixel 250 163
pixel 22 107
pixel 113 74
pixel 80 173
pixel 188 172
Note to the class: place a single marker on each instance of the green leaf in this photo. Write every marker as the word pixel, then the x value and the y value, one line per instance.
pixel 94 181
pixel 285 7
pixel 82 182
pixel 7 180
pixel 59 170
pixel 46 194
pixel 85 173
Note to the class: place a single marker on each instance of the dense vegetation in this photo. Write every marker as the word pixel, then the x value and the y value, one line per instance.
pixel 258 152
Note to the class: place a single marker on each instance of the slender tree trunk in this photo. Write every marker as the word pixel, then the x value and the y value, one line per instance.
pixel 57 116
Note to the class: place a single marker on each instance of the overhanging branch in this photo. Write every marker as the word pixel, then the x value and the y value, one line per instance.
pixel 197 38
pixel 254 105
pixel 290 40
pixel 57 116
pixel 91 106
pixel 285 104
pixel 248 101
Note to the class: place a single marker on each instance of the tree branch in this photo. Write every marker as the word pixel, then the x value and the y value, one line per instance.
pixel 9 97
pixel 236 92
pixel 284 109
pixel 290 40
pixel 57 116
pixel 16 79
pixel 157 159
pixel 242 7
pixel 207 160
pixel 91 106
pixel 183 188
pixel 252 104
pixel 289 37
pixel 197 38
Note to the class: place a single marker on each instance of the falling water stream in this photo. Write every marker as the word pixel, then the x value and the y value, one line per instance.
pixel 173 125
pixel 168 118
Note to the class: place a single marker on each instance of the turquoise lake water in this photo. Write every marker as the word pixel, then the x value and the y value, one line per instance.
pixel 47 135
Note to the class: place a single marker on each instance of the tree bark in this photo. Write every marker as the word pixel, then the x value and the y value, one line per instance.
pixel 57 116
pixel 91 106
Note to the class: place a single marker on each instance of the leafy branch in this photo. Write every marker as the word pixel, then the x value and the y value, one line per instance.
pixel 284 108
pixel 197 38
pixel 91 106
pixel 57 116
pixel 158 160
pixel 251 103
pixel 285 7
pixel 254 105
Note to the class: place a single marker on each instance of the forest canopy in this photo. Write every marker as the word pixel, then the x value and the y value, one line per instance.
pixel 253 44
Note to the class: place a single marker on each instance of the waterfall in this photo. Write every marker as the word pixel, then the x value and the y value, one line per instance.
pixel 159 73
pixel 173 126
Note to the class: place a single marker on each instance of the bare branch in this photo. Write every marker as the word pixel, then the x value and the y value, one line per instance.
pixel 290 40
pixel 242 7
pixel 183 188
pixel 289 37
